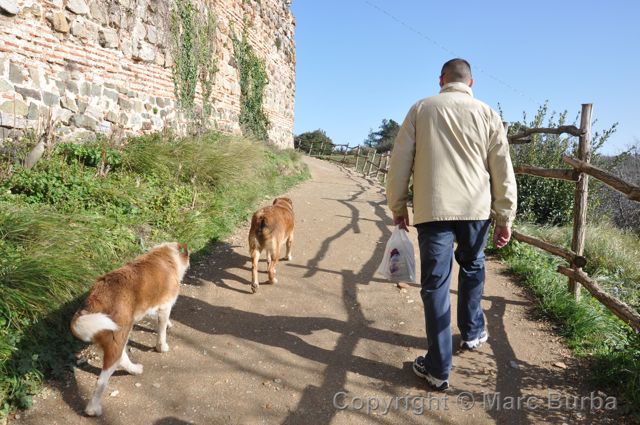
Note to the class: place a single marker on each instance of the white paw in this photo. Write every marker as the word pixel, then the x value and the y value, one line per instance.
pixel 289 257
pixel 162 348
pixel 93 410
pixel 273 281
pixel 135 369
pixel 254 287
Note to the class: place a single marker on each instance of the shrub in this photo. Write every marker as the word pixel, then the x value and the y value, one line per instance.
pixel 550 201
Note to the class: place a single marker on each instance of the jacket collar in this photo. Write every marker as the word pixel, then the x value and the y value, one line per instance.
pixel 456 87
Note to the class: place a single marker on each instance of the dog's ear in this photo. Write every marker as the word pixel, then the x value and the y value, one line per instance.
pixel 275 201
pixel 182 248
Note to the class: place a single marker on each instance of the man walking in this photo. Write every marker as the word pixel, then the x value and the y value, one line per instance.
pixel 457 150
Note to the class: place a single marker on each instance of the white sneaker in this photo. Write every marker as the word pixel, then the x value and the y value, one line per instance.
pixel 475 343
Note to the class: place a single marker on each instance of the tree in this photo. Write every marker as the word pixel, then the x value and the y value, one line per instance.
pixel 305 140
pixel 550 201
pixel 623 212
pixel 382 140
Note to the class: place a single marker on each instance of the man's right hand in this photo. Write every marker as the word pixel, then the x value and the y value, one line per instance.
pixel 402 221
pixel 501 236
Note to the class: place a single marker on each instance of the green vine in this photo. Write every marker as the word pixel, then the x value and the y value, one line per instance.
pixel 193 37
pixel 253 80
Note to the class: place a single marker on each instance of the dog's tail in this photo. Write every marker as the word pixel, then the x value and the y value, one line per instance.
pixel 263 230
pixel 85 326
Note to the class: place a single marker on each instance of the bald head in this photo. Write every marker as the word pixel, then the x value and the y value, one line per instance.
pixel 456 71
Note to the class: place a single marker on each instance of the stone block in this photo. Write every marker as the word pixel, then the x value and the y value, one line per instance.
pixel 5 86
pixel 95 112
pixel 145 52
pixel 84 29
pixel 50 99
pixel 70 104
pixel 9 7
pixel 152 35
pixel 72 87
pixel 34 111
pixel 60 86
pixel 125 104
pixel 108 38
pixel 15 73
pixel 112 117
pixel 28 93
pixel 79 7
pixel 15 107
pixel 62 115
pixel 34 74
pixel 96 90
pixel 139 32
pixel 84 121
pixel 98 12
pixel 10 120
pixel 111 95
pixel 104 127
pixel 59 22
pixel 85 89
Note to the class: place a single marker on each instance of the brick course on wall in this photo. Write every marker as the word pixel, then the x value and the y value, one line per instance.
pixel 105 66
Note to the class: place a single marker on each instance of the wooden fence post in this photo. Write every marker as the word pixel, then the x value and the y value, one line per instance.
pixel 581 193
pixel 357 158
pixel 372 163
pixel 310 148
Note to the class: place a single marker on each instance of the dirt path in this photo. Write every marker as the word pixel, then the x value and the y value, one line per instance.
pixel 329 335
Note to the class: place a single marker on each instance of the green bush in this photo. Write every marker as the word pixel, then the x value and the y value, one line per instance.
pixel 542 200
pixel 66 221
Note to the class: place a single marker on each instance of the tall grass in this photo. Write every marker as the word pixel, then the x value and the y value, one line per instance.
pixel 589 328
pixel 613 256
pixel 63 223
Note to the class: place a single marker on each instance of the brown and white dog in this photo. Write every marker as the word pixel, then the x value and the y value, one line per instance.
pixel 117 300
pixel 270 227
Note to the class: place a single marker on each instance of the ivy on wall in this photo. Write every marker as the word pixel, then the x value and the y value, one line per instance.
pixel 193 42
pixel 253 81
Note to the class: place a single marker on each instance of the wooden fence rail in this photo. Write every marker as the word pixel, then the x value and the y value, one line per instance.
pixel 631 191
pixel 617 307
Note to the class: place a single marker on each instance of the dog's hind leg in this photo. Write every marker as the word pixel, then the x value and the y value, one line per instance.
pixel 128 365
pixel 163 320
pixel 255 258
pixel 289 243
pixel 113 346
pixel 275 254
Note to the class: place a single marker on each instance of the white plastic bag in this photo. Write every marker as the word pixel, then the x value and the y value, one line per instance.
pixel 398 263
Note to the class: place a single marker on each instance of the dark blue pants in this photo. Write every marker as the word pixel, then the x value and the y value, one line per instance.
pixel 436 241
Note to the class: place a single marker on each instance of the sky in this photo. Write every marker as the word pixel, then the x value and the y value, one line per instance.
pixel 360 61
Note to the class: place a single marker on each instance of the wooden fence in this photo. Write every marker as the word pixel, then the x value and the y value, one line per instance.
pixel 371 164
pixel 366 161
pixel 579 173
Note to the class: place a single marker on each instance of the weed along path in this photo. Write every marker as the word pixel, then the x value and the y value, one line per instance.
pixel 330 343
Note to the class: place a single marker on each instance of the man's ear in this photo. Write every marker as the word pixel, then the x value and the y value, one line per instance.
pixel 471 82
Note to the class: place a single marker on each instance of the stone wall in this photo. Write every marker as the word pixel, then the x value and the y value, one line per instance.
pixel 105 66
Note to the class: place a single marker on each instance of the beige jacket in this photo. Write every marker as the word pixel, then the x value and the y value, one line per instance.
pixel 457 150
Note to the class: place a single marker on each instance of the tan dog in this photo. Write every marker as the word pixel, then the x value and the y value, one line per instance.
pixel 270 227
pixel 148 284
